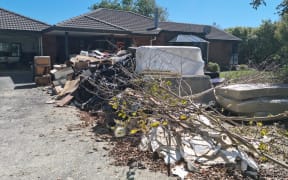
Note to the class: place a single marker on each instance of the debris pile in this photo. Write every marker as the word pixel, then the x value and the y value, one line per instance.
pixel 89 77
pixel 173 127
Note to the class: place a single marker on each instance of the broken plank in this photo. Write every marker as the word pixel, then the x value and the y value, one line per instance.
pixel 64 101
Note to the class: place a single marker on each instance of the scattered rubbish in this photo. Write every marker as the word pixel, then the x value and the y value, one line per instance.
pixel 163 112
pixel 180 171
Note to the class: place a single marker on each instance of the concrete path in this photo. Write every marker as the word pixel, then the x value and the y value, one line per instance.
pixel 37 143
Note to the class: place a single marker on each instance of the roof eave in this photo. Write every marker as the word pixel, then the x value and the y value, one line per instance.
pixel 65 29
pixel 21 31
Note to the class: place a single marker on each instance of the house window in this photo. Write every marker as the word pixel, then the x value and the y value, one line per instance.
pixel 10 49
pixel 4 49
pixel 15 49
pixel 234 59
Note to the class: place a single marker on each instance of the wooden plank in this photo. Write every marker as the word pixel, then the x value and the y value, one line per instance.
pixel 64 101
pixel 70 87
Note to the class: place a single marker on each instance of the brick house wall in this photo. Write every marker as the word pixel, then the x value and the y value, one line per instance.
pixel 54 46
pixel 141 40
pixel 221 53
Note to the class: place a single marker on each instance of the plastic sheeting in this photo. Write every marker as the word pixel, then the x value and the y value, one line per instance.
pixel 183 60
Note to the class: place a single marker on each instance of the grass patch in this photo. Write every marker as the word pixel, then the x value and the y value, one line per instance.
pixel 238 74
pixel 250 76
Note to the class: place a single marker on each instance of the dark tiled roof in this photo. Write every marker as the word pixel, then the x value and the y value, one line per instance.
pixel 12 21
pixel 110 19
pixel 217 34
pixel 136 23
pixel 181 27
pixel 214 34
pixel 87 22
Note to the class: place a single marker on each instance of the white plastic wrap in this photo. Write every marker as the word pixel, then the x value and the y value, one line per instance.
pixel 184 60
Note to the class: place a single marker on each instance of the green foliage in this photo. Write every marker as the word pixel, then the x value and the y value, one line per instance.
pixel 213 67
pixel 143 7
pixel 282 8
pixel 265 43
pixel 238 74
pixel 243 67
pixel 257 3
pixel 283 74
pixel 107 4
pixel 248 43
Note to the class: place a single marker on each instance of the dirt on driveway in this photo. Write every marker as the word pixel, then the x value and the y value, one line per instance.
pixel 37 141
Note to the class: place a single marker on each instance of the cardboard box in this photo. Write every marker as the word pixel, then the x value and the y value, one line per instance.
pixel 42 70
pixel 42 80
pixel 42 60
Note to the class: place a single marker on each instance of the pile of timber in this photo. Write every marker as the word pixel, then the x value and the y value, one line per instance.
pixel 84 81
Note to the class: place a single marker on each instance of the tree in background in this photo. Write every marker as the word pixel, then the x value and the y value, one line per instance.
pixel 282 8
pixel 269 42
pixel 143 7
pixel 267 45
pixel 248 43
pixel 107 4
pixel 281 34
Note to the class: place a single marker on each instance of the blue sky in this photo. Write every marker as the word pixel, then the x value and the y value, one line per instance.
pixel 225 13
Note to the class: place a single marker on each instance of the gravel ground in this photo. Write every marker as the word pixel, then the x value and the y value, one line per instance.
pixel 39 141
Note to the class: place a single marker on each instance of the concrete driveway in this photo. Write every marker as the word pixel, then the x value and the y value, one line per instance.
pixel 36 140
pixel 16 79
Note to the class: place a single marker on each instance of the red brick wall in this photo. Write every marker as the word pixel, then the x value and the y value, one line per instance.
pixel 141 40
pixel 164 37
pixel 220 52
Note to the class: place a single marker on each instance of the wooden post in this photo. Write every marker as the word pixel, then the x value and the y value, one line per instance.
pixel 66 46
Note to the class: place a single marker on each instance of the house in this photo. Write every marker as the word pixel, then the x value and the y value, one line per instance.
pixel 105 28
pixel 108 29
pixel 20 37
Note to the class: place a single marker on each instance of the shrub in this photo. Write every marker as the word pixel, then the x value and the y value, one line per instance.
pixel 213 67
pixel 243 67
pixel 283 73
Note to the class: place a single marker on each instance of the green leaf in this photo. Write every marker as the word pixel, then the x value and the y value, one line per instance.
pixel 165 123
pixel 183 101
pixel 183 117
pixel 155 124
pixel 259 124
pixel 134 131
pixel 264 132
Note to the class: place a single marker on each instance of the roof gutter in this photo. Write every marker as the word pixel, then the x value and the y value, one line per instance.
pixel 67 29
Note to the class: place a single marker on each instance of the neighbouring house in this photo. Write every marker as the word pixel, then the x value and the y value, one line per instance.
pixel 108 29
pixel 20 37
